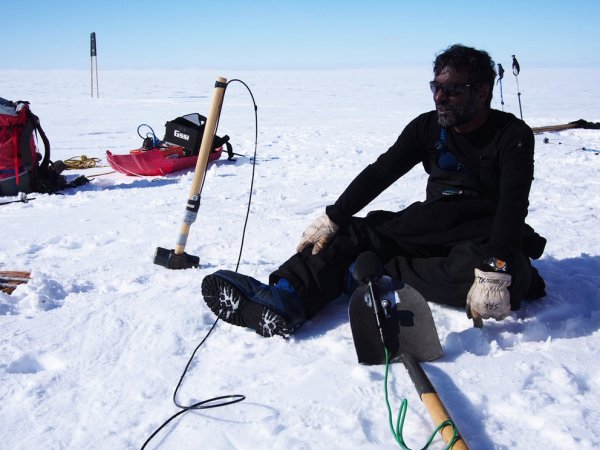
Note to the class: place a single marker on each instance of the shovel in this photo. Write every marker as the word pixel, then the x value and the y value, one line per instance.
pixel 381 314
pixel 177 258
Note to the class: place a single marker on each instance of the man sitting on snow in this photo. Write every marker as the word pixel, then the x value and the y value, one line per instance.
pixel 467 243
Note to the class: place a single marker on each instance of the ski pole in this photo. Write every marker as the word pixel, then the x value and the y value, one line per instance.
pixel 500 76
pixel 516 69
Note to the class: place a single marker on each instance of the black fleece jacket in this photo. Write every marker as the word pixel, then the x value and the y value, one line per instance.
pixel 498 154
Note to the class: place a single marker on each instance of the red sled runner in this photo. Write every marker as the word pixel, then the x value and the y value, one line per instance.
pixel 178 150
pixel 156 161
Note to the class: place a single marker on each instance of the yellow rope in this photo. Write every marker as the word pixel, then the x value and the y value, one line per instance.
pixel 82 162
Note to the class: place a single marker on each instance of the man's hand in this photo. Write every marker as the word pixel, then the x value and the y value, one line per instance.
pixel 318 234
pixel 489 296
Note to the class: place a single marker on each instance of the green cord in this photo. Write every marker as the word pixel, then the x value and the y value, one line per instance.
pixel 398 430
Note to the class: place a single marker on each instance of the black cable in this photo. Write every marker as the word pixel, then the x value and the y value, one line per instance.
pixel 204 404
pixel 253 170
pixel 234 398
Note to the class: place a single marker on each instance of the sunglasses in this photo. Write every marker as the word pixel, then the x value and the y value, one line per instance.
pixel 449 89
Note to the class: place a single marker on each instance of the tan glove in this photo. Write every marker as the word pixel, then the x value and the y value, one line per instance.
pixel 318 234
pixel 489 296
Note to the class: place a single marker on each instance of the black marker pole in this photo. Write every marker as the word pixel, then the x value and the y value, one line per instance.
pixel 93 59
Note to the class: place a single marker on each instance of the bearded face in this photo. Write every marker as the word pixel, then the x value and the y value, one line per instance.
pixel 455 99
pixel 452 113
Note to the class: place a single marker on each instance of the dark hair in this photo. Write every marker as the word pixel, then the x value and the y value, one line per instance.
pixel 478 64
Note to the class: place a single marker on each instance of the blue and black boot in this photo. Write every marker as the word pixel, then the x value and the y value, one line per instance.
pixel 243 301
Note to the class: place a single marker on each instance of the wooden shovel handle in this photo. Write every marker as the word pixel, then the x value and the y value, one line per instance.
pixel 432 401
pixel 210 128
pixel 438 413
pixel 207 140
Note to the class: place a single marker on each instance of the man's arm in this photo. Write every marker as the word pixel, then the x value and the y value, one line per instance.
pixel 372 181
pixel 489 296
pixel 406 152
pixel 515 178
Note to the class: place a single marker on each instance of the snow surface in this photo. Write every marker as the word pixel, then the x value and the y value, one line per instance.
pixel 92 347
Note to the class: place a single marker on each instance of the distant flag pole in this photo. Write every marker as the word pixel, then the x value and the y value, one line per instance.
pixel 93 59
pixel 500 76
pixel 516 68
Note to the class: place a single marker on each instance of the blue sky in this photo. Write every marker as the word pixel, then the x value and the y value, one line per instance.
pixel 280 34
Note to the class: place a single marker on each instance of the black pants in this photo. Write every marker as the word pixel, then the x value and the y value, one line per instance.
pixel 434 247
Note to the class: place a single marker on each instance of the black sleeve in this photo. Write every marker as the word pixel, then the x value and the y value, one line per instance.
pixel 407 151
pixel 516 175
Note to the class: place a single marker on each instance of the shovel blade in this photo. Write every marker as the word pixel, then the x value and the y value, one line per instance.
pixel 407 327
pixel 175 261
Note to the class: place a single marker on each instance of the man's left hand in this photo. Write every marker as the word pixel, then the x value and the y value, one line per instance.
pixel 489 297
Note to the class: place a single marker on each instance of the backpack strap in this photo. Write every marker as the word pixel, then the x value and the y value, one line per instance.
pixel 33 123
pixel 27 159
pixel 22 153
pixel 446 160
pixel 46 158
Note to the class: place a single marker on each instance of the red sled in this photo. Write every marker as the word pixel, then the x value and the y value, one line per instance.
pixel 156 161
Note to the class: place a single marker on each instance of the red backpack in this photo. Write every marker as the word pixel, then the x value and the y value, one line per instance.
pixel 22 167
